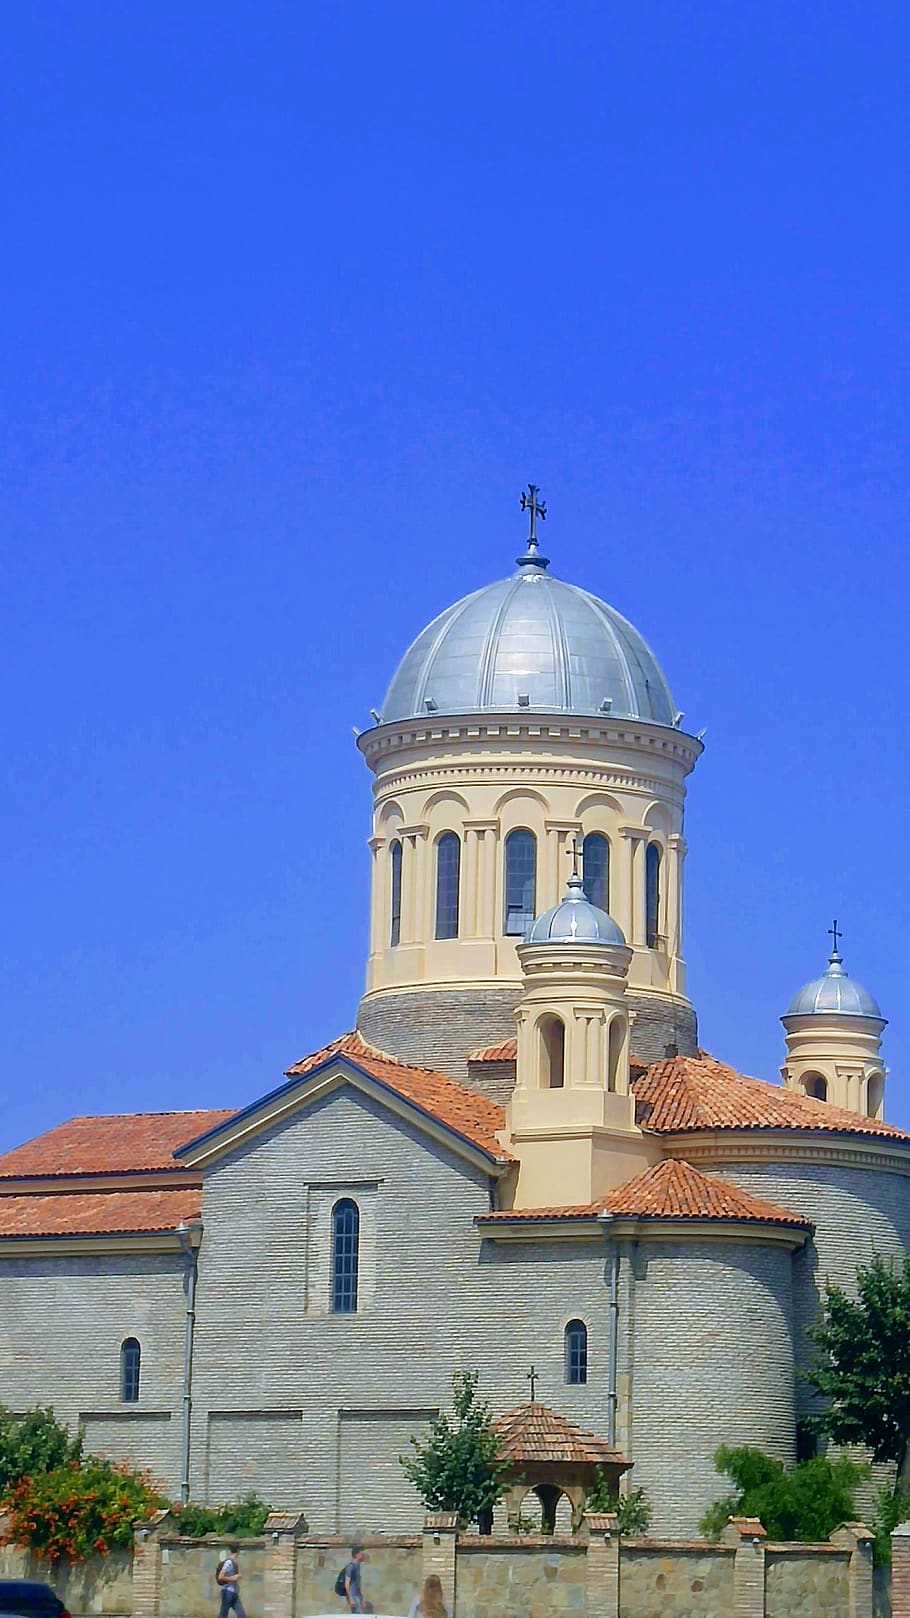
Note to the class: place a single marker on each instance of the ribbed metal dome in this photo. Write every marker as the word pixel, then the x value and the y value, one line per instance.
pixel 530 642
pixel 574 921
pixel 834 992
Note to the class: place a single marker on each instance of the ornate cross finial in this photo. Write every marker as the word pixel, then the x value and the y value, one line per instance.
pixel 537 508
pixel 835 934
pixel 532 1378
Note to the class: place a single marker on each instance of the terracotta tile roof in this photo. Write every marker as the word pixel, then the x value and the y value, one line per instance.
pixel 97 1213
pixel 531 1433
pixel 116 1144
pixel 668 1190
pixel 470 1115
pixel 697 1092
pixel 506 1052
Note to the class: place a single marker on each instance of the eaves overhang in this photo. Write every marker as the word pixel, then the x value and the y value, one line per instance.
pixel 302 1090
pixel 592 1227
pixel 104 1242
pixel 757 1144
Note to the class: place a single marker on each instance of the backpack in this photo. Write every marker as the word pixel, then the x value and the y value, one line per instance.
pixel 217 1571
pixel 340 1586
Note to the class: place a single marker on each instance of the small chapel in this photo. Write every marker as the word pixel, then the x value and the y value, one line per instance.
pixel 520 1156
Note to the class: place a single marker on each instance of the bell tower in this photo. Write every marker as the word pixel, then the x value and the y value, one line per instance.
pixel 833 1031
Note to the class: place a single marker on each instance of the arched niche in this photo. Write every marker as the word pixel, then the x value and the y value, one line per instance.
pixel 551 1046
pixel 875 1094
pixel 616 1041
pixel 815 1085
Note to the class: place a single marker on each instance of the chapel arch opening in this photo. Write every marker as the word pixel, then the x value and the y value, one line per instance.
pixel 816 1086
pixel 616 1040
pixel 551 1036
pixel 875 1093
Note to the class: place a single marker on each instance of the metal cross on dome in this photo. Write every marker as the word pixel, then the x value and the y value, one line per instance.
pixel 835 934
pixel 536 508
pixel 576 852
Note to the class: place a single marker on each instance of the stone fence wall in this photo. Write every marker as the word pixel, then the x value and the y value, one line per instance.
pixel 289 1573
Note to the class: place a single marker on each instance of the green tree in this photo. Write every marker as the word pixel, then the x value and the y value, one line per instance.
pixel 80 1508
pixel 457 1467
pixel 633 1510
pixel 807 1503
pixel 33 1444
pixel 862 1368
pixel 244 1518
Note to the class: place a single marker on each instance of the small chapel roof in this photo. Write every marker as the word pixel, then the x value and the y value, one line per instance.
pixel 120 1143
pixel 532 1434
pixel 99 1213
pixel 685 1093
pixel 667 1191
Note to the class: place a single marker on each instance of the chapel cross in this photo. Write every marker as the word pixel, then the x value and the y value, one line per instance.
pixel 532 1378
pixel 577 855
pixel 536 508
pixel 835 934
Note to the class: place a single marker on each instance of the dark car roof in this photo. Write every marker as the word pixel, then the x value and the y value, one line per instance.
pixel 30 1592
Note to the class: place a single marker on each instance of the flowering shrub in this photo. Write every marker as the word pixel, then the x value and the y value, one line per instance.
pixel 79 1509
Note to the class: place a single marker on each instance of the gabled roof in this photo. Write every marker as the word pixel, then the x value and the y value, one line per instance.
pixel 473 1116
pixel 97 1213
pixel 532 1434
pixel 697 1092
pixel 121 1143
pixel 667 1191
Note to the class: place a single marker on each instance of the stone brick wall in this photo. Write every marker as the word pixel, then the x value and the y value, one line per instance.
pixel 188 1587
pixel 673 1579
pixel 100 1585
pixel 805 1581
pixel 537 1578
pixel 391 1575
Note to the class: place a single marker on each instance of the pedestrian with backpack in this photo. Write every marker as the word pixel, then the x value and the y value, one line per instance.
pixel 348 1584
pixel 227 1575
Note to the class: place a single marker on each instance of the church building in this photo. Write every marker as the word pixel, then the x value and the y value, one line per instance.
pixel 520 1155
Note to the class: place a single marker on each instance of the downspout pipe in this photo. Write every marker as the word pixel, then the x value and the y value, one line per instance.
pixel 606 1219
pixel 188 1237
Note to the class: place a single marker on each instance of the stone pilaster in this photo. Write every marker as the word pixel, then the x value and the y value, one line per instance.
pixel 856 1538
pixel 748 1536
pixel 602 1565
pixel 280 1581
pixel 147 1563
pixel 440 1535
pixel 900 1571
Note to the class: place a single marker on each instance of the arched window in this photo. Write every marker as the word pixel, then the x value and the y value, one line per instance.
pixel 395 924
pixel 875 1090
pixel 130 1355
pixel 345 1255
pixel 595 867
pixel 552 1053
pixel 520 881
pixel 448 867
pixel 814 1085
pixel 615 1041
pixel 576 1351
pixel 652 895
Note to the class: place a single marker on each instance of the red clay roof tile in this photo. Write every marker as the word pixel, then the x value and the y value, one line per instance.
pixel 697 1092
pixel 531 1433
pixel 669 1190
pixel 506 1052
pixel 118 1144
pixel 97 1213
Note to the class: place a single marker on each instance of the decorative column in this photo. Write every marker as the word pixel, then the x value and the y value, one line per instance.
pixel 555 868
pixel 856 1538
pixel 147 1564
pixel 677 849
pixel 602 1565
pixel 280 1581
pixel 413 882
pixel 478 900
pixel 748 1537
pixel 380 892
pixel 440 1535
pixel 632 921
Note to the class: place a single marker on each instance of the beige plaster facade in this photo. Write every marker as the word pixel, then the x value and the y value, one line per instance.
pixel 837 1058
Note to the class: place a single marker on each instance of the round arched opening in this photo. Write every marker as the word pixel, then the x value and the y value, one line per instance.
pixel 615 1043
pixel 875 1094
pixel 815 1086
pixel 551 1033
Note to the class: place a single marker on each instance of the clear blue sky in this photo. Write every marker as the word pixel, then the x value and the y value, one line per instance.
pixel 295 299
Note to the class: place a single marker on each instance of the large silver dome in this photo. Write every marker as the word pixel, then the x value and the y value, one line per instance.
pixel 530 642
pixel 574 921
pixel 833 992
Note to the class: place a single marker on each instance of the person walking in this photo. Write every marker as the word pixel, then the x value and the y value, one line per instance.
pixel 429 1603
pixel 352 1586
pixel 228 1576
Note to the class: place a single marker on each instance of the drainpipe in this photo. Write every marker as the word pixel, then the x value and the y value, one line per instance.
pixel 188 1237
pixel 606 1220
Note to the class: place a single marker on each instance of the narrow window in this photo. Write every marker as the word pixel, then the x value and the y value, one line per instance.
pixel 652 895
pixel 615 1042
pixel 520 881
pixel 552 1053
pixel 815 1086
pixel 875 1091
pixel 595 865
pixel 130 1354
pixel 395 927
pixel 345 1253
pixel 576 1351
pixel 448 867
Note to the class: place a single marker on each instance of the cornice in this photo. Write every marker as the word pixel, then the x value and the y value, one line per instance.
pixel 401 735
pixel 131 1241
pixel 789 1146
pixel 506 774
pixel 741 1232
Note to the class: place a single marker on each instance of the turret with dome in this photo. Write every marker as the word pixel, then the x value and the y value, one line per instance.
pixel 527 715
pixel 833 1030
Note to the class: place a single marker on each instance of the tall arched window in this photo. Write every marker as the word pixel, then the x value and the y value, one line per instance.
pixel 552 1034
pixel 595 867
pixel 130 1355
pixel 345 1256
pixel 448 868
pixel 652 895
pixel 576 1351
pixel 395 923
pixel 520 881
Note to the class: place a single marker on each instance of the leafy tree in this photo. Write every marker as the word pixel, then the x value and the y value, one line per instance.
pixel 78 1509
pixel 457 1467
pixel 244 1518
pixel 892 1506
pixel 863 1363
pixel 633 1510
pixel 34 1443
pixel 807 1503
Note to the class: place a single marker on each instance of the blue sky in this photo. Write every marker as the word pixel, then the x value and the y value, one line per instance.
pixel 295 299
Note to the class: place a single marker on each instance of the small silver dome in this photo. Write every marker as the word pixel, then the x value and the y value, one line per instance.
pixel 530 642
pixel 574 921
pixel 835 992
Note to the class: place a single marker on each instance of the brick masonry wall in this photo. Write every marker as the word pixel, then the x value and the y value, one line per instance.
pixel 80 1310
pixel 438 1027
pixel 708 1359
